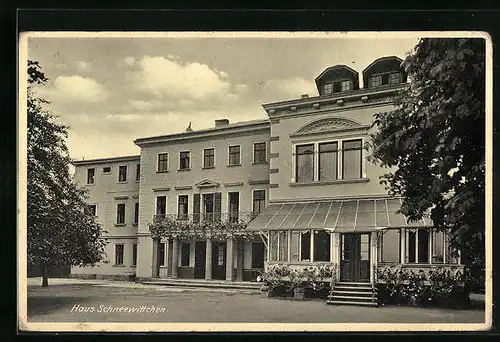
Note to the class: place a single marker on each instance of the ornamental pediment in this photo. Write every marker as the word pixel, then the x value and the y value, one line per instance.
pixel 328 124
pixel 206 183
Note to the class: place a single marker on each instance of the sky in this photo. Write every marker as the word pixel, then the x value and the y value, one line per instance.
pixel 110 91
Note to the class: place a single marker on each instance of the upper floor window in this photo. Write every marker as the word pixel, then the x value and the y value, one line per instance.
pixel 120 213
pixel 259 200
pixel 234 206
pixel 234 155
pixel 182 207
pixel 305 163
pixel 106 169
pixel 328 157
pixel 162 162
pixel 184 158
pixel 351 159
pixel 136 213
pixel 331 162
pixel 90 176
pixel 395 78
pixel 376 81
pixel 208 158
pixel 93 209
pixel 122 173
pixel 138 172
pixel 161 206
pixel 259 152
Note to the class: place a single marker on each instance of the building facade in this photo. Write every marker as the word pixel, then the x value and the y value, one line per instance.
pixel 301 180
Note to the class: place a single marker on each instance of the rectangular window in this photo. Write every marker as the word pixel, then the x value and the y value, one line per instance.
pixel 351 159
pixel 259 152
pixel 234 155
pixel 208 158
pixel 259 200
pixel 93 209
pixel 376 81
pixel 119 254
pixel 134 254
pixel 90 176
pixel 185 253
pixel 182 207
pixel 136 213
pixel 437 247
pixel 346 85
pixel 328 156
pixel 106 169
pixel 122 173
pixel 184 159
pixel 328 88
pixel 257 255
pixel 305 246
pixel 273 245
pixel 161 206
pixel 120 213
pixel 161 253
pixel 138 172
pixel 321 245
pixel 294 245
pixel 418 246
pixel 220 255
pixel 395 78
pixel 234 206
pixel 283 248
pixel 390 246
pixel 305 163
pixel 162 162
pixel 208 206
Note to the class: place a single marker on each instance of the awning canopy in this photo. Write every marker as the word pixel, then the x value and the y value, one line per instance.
pixel 335 215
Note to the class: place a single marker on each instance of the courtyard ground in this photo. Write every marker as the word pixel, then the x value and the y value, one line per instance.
pixel 68 300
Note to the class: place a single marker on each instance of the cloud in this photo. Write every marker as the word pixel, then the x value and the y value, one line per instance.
pixel 74 88
pixel 291 88
pixel 242 88
pixel 164 78
pixel 83 66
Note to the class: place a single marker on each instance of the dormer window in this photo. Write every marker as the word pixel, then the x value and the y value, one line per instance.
pixel 346 85
pixel 395 78
pixel 328 88
pixel 376 81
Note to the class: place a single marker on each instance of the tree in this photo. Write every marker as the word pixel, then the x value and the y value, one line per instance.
pixel 61 230
pixel 435 140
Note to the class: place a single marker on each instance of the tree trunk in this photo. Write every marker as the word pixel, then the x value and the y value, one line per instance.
pixel 45 276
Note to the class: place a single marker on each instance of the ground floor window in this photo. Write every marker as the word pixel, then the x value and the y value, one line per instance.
pixel 321 245
pixel 134 254
pixel 305 246
pixel 257 255
pixel 428 246
pixel 161 254
pixel 185 253
pixel 119 254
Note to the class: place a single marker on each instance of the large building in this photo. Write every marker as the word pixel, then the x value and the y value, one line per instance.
pixel 302 181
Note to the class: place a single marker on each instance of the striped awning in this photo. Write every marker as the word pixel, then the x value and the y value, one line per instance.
pixel 335 215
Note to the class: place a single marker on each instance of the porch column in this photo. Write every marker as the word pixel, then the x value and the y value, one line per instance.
pixel 208 260
pixel 239 260
pixel 229 258
pixel 175 258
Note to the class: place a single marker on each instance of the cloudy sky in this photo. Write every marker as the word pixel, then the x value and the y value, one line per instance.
pixel 111 91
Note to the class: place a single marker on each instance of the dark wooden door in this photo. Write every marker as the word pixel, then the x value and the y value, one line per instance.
pixel 355 257
pixel 219 260
pixel 199 259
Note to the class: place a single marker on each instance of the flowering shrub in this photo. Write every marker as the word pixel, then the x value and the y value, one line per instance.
pixel 402 286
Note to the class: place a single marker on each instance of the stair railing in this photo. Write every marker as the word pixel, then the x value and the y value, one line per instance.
pixel 374 282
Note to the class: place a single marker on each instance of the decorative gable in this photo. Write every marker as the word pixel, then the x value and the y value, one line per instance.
pixel 328 124
pixel 206 183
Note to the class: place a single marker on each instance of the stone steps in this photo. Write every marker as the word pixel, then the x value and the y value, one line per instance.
pixel 345 293
pixel 215 284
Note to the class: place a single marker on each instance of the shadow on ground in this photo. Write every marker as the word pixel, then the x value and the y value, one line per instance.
pixel 44 305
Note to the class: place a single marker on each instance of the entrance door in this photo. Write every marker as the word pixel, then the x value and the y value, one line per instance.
pixel 199 259
pixel 219 260
pixel 355 257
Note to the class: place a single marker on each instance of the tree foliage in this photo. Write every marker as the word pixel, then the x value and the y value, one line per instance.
pixel 435 141
pixel 61 231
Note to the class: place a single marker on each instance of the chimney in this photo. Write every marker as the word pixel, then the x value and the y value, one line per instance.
pixel 304 96
pixel 221 122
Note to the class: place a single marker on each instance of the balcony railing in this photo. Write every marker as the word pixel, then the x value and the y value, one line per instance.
pixel 239 217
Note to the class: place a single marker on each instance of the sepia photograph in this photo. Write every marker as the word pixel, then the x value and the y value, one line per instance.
pixel 255 181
